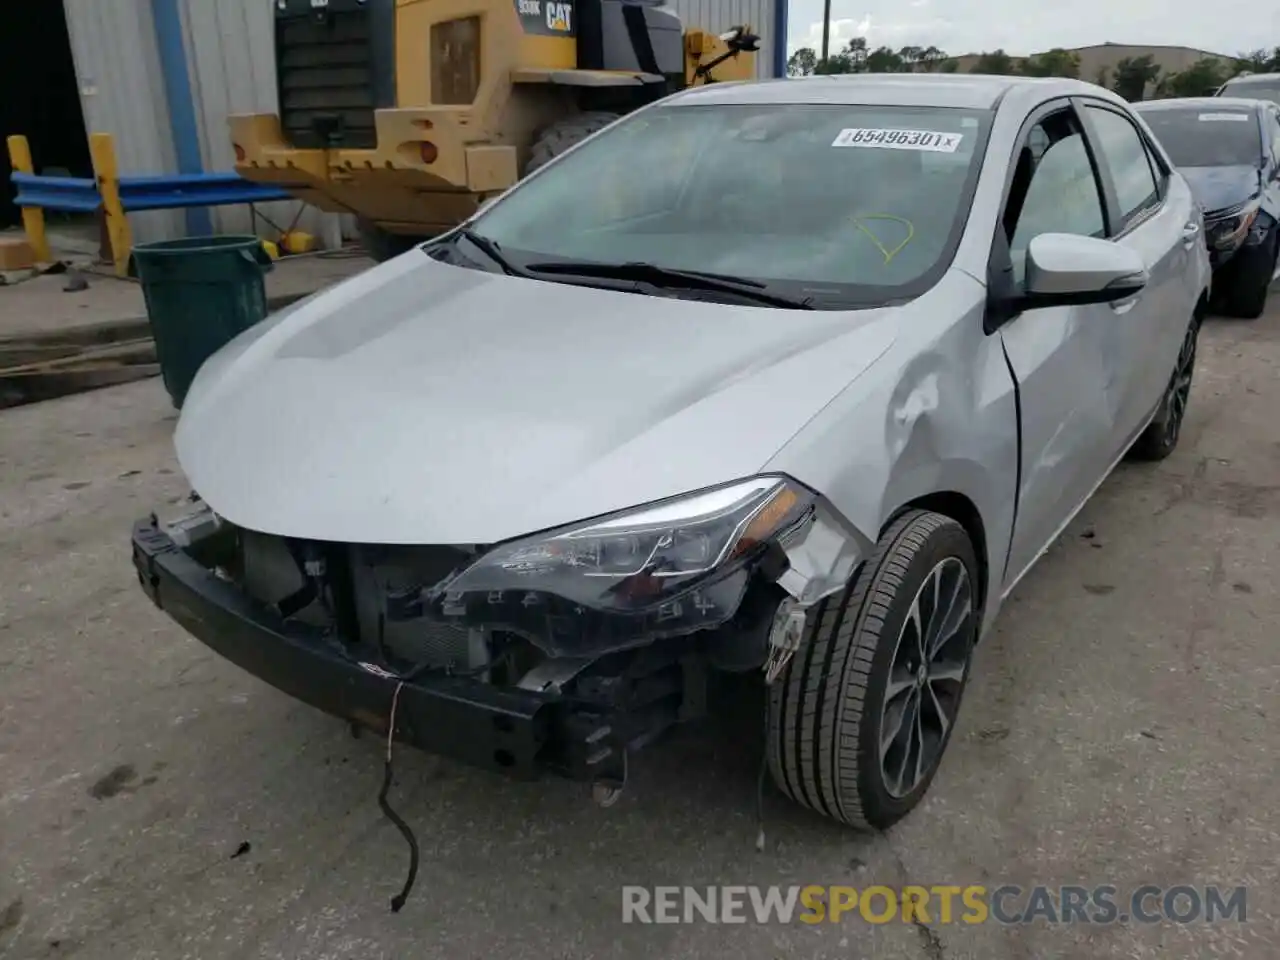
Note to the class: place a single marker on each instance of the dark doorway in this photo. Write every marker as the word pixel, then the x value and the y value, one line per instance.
pixel 41 97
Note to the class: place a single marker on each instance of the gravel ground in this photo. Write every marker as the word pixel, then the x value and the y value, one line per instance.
pixel 1117 730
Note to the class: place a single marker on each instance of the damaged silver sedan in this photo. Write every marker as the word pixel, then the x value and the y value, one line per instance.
pixel 791 379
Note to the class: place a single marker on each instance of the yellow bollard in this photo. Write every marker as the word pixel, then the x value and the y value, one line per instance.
pixel 102 149
pixel 32 217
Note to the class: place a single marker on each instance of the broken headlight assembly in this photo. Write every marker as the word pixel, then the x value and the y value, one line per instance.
pixel 1229 228
pixel 665 569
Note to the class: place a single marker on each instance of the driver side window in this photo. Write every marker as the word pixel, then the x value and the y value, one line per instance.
pixel 1054 188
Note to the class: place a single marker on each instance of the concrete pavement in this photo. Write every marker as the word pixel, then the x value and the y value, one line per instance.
pixel 1118 729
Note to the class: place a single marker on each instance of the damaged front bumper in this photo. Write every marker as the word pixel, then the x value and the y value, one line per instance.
pixel 517 732
pixel 569 673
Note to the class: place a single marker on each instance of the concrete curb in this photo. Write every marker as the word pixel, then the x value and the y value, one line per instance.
pixel 115 331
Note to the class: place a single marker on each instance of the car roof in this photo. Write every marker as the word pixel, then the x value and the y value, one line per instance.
pixel 1175 103
pixel 1254 78
pixel 971 91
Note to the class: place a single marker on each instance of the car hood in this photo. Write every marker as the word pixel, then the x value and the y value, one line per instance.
pixel 1218 188
pixel 425 403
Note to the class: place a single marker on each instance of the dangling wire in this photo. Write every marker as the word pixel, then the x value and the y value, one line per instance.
pixel 399 899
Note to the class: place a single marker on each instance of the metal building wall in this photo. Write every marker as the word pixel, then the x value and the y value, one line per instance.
pixel 121 93
pixel 718 16
pixel 231 63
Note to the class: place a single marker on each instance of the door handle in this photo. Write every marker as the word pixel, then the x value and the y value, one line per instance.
pixel 1189 233
pixel 1125 305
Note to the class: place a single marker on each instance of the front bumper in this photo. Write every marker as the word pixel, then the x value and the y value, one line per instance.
pixel 516 732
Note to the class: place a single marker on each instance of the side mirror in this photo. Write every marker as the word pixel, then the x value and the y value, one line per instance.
pixel 1067 270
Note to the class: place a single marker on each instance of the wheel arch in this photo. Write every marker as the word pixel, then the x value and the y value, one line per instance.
pixel 1201 309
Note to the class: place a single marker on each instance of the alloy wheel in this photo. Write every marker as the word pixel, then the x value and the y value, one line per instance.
pixel 1180 386
pixel 926 677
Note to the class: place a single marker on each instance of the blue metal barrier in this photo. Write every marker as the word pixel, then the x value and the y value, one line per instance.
pixel 193 190
pixel 118 196
pixel 68 194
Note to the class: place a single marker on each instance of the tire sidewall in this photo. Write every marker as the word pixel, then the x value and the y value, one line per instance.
pixel 1159 424
pixel 949 540
pixel 1252 275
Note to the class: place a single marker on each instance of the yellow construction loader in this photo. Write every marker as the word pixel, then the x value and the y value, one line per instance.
pixel 411 113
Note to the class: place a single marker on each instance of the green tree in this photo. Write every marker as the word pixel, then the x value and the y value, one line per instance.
pixel 932 59
pixel 1201 79
pixel 836 63
pixel 949 65
pixel 1255 61
pixel 856 51
pixel 1103 79
pixel 1053 63
pixel 1261 60
pixel 885 60
pixel 1132 76
pixel 910 56
pixel 852 59
pixel 995 62
pixel 802 62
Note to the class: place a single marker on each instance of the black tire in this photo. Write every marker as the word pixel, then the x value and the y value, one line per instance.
pixel 827 709
pixel 1161 436
pixel 555 138
pixel 1251 279
pixel 381 245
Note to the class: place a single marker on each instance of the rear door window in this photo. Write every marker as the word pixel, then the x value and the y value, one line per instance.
pixel 1124 151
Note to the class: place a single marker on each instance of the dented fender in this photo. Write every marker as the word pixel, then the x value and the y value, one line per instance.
pixel 936 415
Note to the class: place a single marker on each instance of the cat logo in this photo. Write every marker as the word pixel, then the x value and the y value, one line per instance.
pixel 559 17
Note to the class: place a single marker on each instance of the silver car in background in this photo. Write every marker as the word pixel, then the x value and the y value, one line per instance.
pixel 793 380
pixel 1255 86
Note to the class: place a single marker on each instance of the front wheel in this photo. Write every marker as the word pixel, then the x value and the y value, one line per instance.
pixel 859 722
pixel 1251 278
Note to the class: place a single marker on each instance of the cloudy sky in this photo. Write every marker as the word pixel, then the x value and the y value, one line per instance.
pixel 970 26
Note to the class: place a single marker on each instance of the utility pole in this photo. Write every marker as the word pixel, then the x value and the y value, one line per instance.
pixel 826 30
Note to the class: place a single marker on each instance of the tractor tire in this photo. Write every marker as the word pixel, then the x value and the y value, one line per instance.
pixel 555 138
pixel 381 245
pixel 879 662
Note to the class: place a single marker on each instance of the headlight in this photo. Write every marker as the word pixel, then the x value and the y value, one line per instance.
pixel 1230 229
pixel 664 569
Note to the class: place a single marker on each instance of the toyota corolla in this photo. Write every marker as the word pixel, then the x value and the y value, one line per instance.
pixel 794 379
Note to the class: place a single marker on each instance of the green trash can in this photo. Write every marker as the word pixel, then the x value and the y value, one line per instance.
pixel 200 292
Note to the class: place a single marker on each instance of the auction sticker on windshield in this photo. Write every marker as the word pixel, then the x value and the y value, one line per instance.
pixel 932 140
pixel 1214 117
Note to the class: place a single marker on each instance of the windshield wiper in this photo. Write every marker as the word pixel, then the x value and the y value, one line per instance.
pixel 491 250
pixel 671 278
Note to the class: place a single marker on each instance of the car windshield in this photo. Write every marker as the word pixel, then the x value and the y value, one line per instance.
pixel 1207 136
pixel 840 205
pixel 1268 89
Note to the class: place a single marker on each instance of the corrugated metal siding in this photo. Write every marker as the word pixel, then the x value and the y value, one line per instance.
pixel 718 16
pixel 121 92
pixel 231 60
